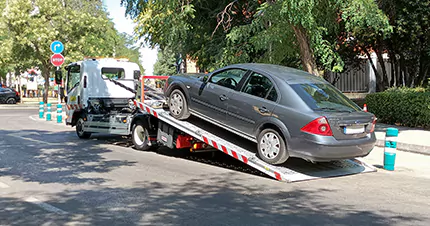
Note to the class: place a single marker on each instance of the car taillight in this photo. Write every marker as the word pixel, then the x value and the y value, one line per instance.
pixel 318 126
pixel 17 93
pixel 373 125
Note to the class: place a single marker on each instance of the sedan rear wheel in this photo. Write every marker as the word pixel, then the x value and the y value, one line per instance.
pixel 271 147
pixel 11 101
pixel 178 105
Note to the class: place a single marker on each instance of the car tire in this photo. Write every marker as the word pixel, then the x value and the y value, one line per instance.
pixel 80 129
pixel 11 100
pixel 140 137
pixel 272 147
pixel 178 105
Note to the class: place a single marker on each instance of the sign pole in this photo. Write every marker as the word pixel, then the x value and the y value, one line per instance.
pixel 58 91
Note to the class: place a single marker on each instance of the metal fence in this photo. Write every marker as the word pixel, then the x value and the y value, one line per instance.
pixel 355 80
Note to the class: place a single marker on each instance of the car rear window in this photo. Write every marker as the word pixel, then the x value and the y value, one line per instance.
pixel 324 97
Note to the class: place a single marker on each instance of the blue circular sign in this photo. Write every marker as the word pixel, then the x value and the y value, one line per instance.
pixel 57 47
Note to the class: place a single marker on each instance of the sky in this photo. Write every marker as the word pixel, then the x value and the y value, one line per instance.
pixel 124 24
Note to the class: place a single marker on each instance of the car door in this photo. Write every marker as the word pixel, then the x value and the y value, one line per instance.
pixel 253 104
pixel 211 98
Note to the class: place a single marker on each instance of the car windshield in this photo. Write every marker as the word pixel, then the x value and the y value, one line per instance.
pixel 324 97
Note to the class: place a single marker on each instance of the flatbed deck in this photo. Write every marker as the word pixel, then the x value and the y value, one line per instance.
pixel 245 151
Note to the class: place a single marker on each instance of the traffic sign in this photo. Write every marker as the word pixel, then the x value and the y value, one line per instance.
pixel 57 59
pixel 57 47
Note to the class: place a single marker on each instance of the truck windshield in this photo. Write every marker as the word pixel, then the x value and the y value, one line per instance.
pixel 73 77
pixel 324 97
pixel 113 73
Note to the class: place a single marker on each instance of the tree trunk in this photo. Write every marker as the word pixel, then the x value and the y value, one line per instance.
pixel 382 63
pixel 46 68
pixel 379 84
pixel 306 53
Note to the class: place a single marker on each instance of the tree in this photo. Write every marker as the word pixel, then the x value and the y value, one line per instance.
pixel 165 64
pixel 82 25
pixel 217 33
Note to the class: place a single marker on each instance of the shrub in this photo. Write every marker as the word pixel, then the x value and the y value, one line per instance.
pixel 404 106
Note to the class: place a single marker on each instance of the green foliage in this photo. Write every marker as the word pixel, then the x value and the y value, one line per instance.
pixel 27 27
pixel 404 106
pixel 165 64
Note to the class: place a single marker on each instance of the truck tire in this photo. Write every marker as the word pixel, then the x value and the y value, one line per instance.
pixel 80 129
pixel 140 137
pixel 178 105
pixel 272 147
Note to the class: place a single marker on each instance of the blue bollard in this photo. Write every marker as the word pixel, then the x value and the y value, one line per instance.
pixel 390 148
pixel 41 109
pixel 48 112
pixel 59 113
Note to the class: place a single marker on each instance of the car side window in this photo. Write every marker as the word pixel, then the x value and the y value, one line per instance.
pixel 229 78
pixel 260 86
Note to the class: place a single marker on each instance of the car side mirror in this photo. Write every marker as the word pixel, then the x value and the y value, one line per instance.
pixel 205 78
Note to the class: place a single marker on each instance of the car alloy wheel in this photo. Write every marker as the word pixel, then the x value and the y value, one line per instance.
pixel 11 101
pixel 176 104
pixel 270 145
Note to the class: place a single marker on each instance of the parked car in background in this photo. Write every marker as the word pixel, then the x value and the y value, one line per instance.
pixel 8 96
pixel 287 112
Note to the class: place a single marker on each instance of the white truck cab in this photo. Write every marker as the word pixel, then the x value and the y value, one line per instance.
pixel 98 91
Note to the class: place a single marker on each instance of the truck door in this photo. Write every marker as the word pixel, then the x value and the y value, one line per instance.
pixel 73 90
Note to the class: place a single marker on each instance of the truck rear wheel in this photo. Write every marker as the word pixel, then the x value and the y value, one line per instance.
pixel 140 137
pixel 80 129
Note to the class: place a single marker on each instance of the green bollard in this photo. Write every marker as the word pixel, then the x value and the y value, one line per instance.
pixel 41 109
pixel 48 113
pixel 59 113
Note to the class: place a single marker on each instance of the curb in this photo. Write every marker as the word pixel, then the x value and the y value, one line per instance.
pixel 413 148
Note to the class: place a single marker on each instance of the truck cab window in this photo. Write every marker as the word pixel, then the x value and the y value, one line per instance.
pixel 113 73
pixel 73 77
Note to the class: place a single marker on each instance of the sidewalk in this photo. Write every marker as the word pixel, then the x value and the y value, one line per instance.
pixel 410 139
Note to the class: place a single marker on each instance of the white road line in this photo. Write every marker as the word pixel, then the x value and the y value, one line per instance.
pixel 3 185
pixel 45 206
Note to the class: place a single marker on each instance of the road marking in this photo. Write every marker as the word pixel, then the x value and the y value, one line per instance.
pixel 3 185
pixel 45 206
pixel 21 134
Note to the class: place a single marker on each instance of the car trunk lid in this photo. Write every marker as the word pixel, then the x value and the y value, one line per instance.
pixel 345 125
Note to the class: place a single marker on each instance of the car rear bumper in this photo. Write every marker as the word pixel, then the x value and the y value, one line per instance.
pixel 329 150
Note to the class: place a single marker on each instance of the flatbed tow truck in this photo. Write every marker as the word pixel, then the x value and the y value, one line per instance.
pixel 150 125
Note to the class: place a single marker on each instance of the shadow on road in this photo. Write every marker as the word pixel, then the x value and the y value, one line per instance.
pixel 53 157
pixel 211 201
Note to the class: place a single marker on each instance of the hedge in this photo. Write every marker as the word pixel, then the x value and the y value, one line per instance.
pixel 401 106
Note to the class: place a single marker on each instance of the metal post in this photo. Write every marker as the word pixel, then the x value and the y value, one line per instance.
pixel 390 148
pixel 59 113
pixel 41 109
pixel 48 112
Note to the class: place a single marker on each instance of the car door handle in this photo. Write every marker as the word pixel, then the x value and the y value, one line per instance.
pixel 223 97
pixel 263 110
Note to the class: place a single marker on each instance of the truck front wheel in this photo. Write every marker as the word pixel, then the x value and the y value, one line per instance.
pixel 140 137
pixel 80 129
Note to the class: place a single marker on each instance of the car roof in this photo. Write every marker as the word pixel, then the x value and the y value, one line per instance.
pixel 282 72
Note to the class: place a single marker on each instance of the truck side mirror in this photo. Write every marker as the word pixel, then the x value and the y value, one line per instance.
pixel 136 75
pixel 58 77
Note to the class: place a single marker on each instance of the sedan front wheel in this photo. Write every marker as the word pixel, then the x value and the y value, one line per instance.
pixel 271 147
pixel 178 105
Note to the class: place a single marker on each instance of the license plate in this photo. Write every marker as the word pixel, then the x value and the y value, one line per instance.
pixel 353 129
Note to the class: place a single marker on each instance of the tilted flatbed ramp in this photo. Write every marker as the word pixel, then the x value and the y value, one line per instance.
pixel 244 151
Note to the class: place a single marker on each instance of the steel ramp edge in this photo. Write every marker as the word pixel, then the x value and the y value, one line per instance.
pixel 281 173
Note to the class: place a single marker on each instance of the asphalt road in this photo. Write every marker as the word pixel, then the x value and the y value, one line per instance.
pixel 50 177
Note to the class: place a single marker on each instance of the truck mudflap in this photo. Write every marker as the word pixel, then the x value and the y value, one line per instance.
pixel 291 171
